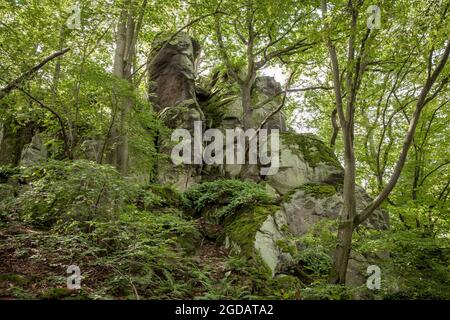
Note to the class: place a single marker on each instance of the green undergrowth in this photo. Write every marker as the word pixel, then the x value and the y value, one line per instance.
pixel 130 241
pixel 246 280
pixel 220 199
pixel 142 241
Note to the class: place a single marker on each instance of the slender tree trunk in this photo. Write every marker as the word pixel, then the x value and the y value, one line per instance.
pixel 118 71
pixel 127 32
pixel 246 93
pixel 345 229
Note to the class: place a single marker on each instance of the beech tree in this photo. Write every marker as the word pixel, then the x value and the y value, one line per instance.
pixel 347 86
pixel 252 35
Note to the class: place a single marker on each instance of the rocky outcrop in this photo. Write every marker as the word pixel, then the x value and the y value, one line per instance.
pixel 303 159
pixel 172 93
pixel 171 71
pixel 35 152
pixel 308 182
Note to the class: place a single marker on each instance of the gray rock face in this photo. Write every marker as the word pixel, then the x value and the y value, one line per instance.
pixel 172 92
pixel 266 243
pixel 35 152
pixel 303 158
pixel 172 75
pixel 315 202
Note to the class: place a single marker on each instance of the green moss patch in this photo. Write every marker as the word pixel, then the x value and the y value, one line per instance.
pixel 220 199
pixel 313 150
pixel 316 190
pixel 243 228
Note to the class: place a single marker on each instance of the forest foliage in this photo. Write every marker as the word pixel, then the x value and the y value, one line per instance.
pixel 137 239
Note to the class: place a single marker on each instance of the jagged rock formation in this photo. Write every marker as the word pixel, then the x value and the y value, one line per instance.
pixel 171 70
pixel 172 93
pixel 308 182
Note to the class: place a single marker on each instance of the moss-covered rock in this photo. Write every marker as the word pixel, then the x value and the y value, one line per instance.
pixel 304 159
pixel 316 190
pixel 243 228
pixel 258 234
pixel 310 148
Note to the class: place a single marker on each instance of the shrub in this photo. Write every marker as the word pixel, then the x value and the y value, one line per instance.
pixel 223 198
pixel 63 191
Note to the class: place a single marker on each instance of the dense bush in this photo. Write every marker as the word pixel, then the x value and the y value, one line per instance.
pixel 93 218
pixel 222 198
pixel 63 191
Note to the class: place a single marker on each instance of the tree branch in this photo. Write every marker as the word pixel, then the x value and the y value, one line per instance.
pixel 28 74
pixel 421 102
pixel 53 112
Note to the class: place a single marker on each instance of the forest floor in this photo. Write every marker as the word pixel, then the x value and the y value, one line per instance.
pixel 26 272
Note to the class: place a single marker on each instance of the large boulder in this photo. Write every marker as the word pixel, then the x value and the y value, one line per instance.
pixel 304 158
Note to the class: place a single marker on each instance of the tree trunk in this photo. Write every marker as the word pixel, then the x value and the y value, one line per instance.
pixel 345 229
pixel 246 93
